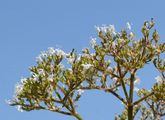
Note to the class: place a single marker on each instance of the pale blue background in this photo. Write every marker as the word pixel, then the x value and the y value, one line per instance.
pixel 30 26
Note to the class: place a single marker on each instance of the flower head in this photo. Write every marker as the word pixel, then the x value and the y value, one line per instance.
pixel 98 29
pixel 41 72
pixel 50 51
pixel 106 29
pixel 93 42
pixel 131 35
pixel 158 79
pixel 41 56
pixel 80 91
pixel 111 29
pixel 61 66
pixel 137 80
pixel 50 78
pixel 60 52
pixel 128 26
pixel 136 89
pixel 71 59
pixel 18 88
pixel 86 66
pixel 19 108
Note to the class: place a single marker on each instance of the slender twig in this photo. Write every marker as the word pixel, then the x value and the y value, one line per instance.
pixel 106 90
pixel 122 82
pixel 143 98
pixel 71 102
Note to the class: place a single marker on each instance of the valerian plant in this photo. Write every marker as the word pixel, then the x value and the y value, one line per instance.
pixel 112 64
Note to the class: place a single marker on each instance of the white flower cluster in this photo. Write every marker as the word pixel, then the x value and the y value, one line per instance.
pixel 35 76
pixel 50 78
pixel 60 52
pixel 51 51
pixel 128 26
pixel 41 72
pixel 137 80
pixel 41 56
pixel 86 66
pixel 93 42
pixel 159 79
pixel 136 89
pixel 19 108
pixel 61 66
pixel 70 59
pixel 106 29
pixel 80 91
pixel 19 86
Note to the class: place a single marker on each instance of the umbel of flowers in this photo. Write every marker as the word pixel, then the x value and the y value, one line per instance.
pixel 56 88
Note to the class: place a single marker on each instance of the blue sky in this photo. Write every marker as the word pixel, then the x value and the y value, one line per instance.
pixel 30 26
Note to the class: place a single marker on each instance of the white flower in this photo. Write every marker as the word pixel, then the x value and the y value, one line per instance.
pixel 93 42
pixel 70 59
pixel 50 78
pixel 131 35
pixel 86 55
pixel 18 88
pixel 19 108
pixel 23 80
pixel 60 52
pixel 98 29
pixel 80 91
pixel 111 29
pixel 158 79
pixel 79 57
pixel 136 89
pixel 92 54
pixel 86 66
pixel 115 79
pixel 41 56
pixel 128 26
pixel 105 29
pixel 137 80
pixel 41 72
pixel 153 46
pixel 35 77
pixel 113 44
pixel 121 40
pixel 70 69
pixel 61 66
pixel 51 51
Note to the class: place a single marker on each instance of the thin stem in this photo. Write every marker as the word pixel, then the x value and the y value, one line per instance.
pixel 122 82
pixel 143 98
pixel 77 116
pixel 130 105
pixel 106 90
pixel 131 88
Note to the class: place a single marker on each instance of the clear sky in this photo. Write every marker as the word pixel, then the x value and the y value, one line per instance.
pixel 30 26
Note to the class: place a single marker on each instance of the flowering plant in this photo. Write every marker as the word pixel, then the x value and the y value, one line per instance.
pixel 113 64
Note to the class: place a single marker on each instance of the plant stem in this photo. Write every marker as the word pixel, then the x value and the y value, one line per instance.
pixel 122 82
pixel 77 116
pixel 138 101
pixel 130 112
pixel 130 102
